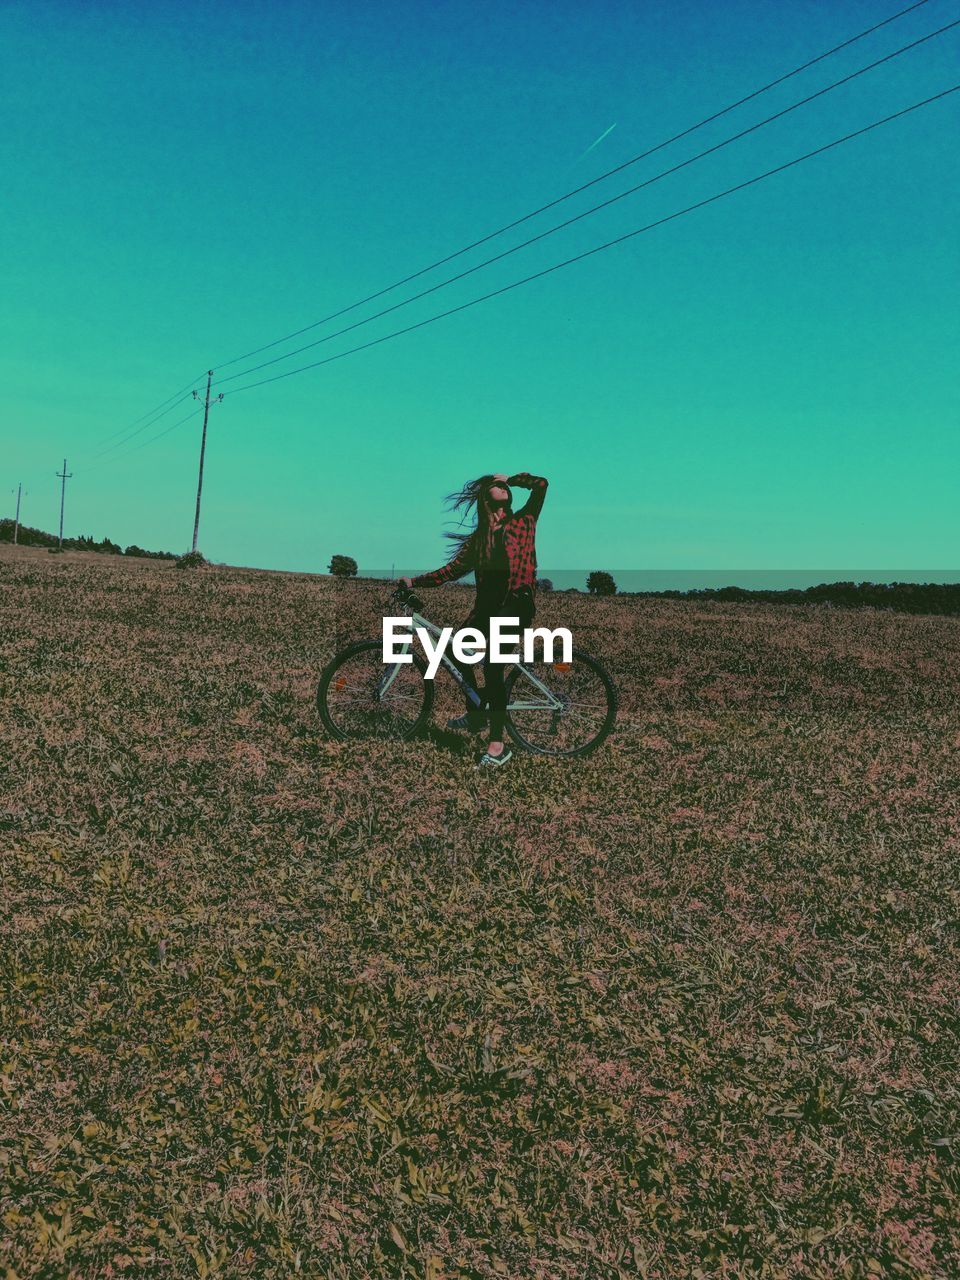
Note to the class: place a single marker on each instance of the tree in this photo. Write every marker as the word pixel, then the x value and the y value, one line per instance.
pixel 190 560
pixel 544 584
pixel 28 537
pixel 343 567
pixel 601 583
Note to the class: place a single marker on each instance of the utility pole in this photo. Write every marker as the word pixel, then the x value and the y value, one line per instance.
pixel 16 523
pixel 63 491
pixel 203 449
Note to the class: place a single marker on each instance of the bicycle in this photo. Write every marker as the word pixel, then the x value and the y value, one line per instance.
pixel 558 709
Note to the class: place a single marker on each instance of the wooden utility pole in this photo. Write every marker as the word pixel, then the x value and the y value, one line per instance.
pixel 203 449
pixel 16 523
pixel 63 491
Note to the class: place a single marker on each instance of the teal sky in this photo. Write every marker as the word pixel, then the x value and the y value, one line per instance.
pixel 767 383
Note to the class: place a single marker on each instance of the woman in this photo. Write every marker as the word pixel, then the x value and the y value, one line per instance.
pixel 501 550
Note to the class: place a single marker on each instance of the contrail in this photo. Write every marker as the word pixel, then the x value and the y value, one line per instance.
pixel 603 135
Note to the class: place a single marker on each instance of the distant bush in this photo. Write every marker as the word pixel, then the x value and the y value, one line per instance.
pixel 86 542
pixel 898 597
pixel 544 584
pixel 134 550
pixel 601 584
pixel 191 560
pixel 105 547
pixel 343 567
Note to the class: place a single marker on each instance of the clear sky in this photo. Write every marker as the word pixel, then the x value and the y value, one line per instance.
pixel 770 382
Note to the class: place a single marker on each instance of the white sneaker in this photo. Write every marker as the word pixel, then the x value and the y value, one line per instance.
pixel 505 755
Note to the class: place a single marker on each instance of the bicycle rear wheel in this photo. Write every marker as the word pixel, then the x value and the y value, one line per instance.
pixel 587 711
pixel 360 697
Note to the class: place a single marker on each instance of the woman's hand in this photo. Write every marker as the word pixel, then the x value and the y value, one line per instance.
pixel 501 477
pixel 406 582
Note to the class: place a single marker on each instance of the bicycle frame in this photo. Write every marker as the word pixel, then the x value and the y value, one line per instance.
pixel 548 702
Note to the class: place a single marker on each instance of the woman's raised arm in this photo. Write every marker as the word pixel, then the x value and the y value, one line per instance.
pixel 538 491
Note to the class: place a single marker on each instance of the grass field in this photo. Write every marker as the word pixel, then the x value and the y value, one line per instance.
pixel 274 1005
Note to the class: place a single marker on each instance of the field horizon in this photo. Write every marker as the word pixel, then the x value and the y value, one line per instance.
pixel 629 581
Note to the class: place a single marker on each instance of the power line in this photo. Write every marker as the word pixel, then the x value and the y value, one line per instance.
pixel 131 434
pixel 517 222
pixel 145 421
pixel 560 226
pixel 182 393
pixel 160 434
pixel 166 431
pixel 609 244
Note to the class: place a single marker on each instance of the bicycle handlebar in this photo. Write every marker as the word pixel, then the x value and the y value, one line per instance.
pixel 404 595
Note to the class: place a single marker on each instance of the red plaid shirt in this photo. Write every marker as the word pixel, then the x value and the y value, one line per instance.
pixel 519 540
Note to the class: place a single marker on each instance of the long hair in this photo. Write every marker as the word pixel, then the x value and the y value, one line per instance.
pixel 469 500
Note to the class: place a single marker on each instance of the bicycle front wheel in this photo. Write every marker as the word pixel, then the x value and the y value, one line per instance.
pixel 566 710
pixel 360 697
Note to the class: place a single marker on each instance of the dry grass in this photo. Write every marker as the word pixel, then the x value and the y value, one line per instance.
pixel 274 1005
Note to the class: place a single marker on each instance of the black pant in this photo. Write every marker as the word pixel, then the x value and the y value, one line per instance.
pixel 514 604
